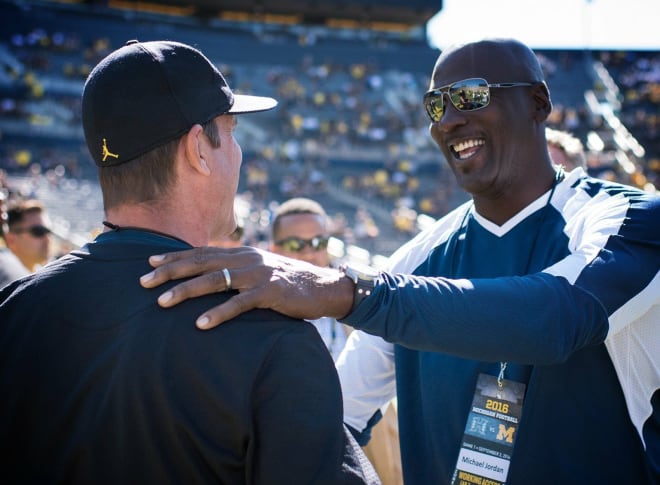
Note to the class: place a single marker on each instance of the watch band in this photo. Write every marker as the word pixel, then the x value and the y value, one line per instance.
pixel 364 280
pixel 362 290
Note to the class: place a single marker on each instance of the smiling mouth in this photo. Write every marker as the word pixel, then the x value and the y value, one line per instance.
pixel 466 149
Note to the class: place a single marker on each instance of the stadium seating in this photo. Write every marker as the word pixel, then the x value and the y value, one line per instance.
pixel 349 130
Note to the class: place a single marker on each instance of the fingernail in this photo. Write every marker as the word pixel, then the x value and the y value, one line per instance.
pixel 203 321
pixel 165 297
pixel 146 278
pixel 158 258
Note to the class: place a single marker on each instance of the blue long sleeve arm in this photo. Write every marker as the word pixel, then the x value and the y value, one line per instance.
pixel 533 319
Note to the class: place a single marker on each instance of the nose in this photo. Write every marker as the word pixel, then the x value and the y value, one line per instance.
pixel 308 250
pixel 308 256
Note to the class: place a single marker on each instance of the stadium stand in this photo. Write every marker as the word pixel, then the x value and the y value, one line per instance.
pixel 349 130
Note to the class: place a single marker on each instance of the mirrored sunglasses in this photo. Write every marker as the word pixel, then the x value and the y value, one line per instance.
pixel 466 95
pixel 34 231
pixel 296 244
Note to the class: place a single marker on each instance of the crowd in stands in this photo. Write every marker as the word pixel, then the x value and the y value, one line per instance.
pixel 637 75
pixel 351 134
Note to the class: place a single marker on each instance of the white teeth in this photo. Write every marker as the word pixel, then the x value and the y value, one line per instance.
pixel 464 145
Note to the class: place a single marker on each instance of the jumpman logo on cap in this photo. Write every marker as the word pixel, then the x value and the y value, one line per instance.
pixel 107 153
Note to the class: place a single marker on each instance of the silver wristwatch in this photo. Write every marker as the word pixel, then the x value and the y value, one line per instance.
pixel 364 278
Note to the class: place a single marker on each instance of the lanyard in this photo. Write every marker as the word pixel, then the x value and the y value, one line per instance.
pixel 493 420
pixel 559 176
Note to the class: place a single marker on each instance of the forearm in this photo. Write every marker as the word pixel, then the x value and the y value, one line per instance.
pixel 536 319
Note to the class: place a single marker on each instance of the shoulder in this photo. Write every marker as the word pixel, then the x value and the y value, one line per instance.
pixel 412 253
pixel 593 190
pixel 282 335
pixel 588 201
pixel 266 333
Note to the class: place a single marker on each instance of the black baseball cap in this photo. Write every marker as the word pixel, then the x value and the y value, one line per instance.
pixel 148 93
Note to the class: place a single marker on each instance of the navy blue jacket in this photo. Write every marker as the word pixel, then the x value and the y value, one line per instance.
pixel 567 292
pixel 101 385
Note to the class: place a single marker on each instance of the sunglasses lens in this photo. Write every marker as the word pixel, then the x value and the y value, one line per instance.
pixel 295 244
pixel 466 95
pixel 434 106
pixel 292 244
pixel 321 243
pixel 470 94
pixel 34 231
pixel 38 231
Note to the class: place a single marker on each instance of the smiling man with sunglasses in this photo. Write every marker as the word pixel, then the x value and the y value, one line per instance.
pixel 28 236
pixel 520 331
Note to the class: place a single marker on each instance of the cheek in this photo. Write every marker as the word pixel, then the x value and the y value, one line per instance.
pixel 237 152
pixel 232 156
pixel 436 135
pixel 434 131
pixel 237 159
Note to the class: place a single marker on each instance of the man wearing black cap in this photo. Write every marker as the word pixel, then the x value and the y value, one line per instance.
pixel 99 384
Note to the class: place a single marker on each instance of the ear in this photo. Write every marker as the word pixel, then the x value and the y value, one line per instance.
pixel 194 146
pixel 542 102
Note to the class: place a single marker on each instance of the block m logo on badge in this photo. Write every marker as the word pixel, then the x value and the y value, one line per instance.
pixel 505 434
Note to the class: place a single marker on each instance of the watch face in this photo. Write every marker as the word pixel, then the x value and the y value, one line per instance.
pixel 361 271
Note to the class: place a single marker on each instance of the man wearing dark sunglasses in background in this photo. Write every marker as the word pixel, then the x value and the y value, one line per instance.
pixel 300 230
pixel 522 326
pixel 27 235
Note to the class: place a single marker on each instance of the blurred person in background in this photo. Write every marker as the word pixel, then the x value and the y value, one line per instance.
pixel 133 394
pixel 300 231
pixel 28 234
pixel 11 267
pixel 565 149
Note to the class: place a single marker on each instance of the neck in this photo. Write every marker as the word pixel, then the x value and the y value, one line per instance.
pixel 502 207
pixel 161 220
pixel 31 267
